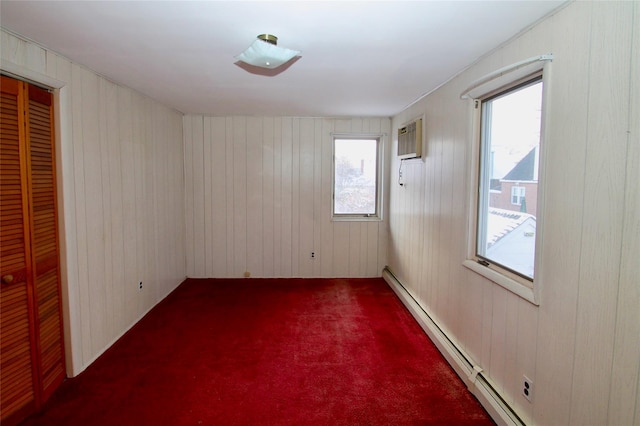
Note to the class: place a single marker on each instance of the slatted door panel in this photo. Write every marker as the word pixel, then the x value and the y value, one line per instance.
pixel 17 387
pixel 44 240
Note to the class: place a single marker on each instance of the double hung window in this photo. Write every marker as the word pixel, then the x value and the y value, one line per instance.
pixel 356 177
pixel 509 149
pixel 504 235
pixel 517 195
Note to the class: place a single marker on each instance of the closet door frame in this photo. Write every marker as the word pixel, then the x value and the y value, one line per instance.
pixel 60 85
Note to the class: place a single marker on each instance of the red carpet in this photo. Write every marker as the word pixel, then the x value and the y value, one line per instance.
pixel 269 352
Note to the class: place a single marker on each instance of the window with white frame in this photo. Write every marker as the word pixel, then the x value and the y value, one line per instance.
pixel 510 127
pixel 517 195
pixel 356 177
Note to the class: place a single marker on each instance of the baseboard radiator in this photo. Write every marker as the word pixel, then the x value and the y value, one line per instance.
pixel 501 412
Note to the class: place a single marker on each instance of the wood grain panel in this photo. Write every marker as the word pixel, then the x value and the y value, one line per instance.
pixel 197 151
pixel 603 208
pixel 217 260
pixel 128 197
pixel 229 194
pixel 286 198
pixel 353 250
pixel 207 196
pixel 143 215
pixel 255 196
pixel 306 191
pixel 277 197
pixel 188 124
pixel 268 196
pixel 80 243
pixel 112 197
pixel 511 382
pixel 239 133
pixel 93 210
pixel 317 196
pixel 625 374
pixel 326 226
pixel 295 198
pixel 496 367
pixel 567 138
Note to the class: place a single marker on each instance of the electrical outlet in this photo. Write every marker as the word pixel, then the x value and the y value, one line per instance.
pixel 527 388
pixel 313 254
pixel 140 285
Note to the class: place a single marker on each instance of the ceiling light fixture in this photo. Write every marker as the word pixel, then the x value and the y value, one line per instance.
pixel 265 53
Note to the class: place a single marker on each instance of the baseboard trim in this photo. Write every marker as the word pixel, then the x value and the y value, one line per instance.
pixel 499 410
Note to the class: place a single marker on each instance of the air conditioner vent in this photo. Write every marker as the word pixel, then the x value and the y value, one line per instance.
pixel 410 140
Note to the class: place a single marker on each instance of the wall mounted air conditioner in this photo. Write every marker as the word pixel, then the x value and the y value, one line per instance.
pixel 410 140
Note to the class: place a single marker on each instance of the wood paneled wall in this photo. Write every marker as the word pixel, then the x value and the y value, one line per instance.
pixel 258 199
pixel 581 345
pixel 120 166
pixel 257 193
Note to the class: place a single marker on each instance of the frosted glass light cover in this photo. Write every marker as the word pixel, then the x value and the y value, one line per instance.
pixel 266 55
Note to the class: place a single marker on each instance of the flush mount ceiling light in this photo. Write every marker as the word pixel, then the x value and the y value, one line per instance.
pixel 265 53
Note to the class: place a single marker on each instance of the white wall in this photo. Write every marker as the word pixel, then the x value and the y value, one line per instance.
pixel 581 345
pixel 120 168
pixel 258 199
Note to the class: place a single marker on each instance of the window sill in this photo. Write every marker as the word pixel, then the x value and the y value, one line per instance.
pixel 356 219
pixel 502 280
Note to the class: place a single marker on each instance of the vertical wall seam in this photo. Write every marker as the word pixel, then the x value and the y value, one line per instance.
pixel 278 219
pixel 205 224
pixel 584 178
pixel 101 140
pixel 84 187
pixel 625 186
pixel 184 193
pixel 273 195
pixel 75 286
pixel 262 182
pixel 194 154
pixel 226 184
pixel 635 34
pixel 246 197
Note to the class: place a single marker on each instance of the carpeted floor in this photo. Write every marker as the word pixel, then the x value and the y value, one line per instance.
pixel 270 352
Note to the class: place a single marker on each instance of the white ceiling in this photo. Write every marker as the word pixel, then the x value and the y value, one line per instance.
pixel 359 58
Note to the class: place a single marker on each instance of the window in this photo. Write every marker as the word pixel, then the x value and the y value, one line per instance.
pixel 356 176
pixel 517 195
pixel 510 126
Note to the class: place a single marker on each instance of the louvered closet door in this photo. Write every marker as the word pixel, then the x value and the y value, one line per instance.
pixel 17 339
pixel 31 344
pixel 44 237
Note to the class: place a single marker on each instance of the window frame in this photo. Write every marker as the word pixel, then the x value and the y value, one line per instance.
pixel 358 217
pixel 521 194
pixel 522 286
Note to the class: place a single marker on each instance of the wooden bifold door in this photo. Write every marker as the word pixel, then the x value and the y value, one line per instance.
pixel 31 340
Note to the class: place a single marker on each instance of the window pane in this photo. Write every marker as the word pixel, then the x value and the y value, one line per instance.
pixel 509 178
pixel 517 194
pixel 355 168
